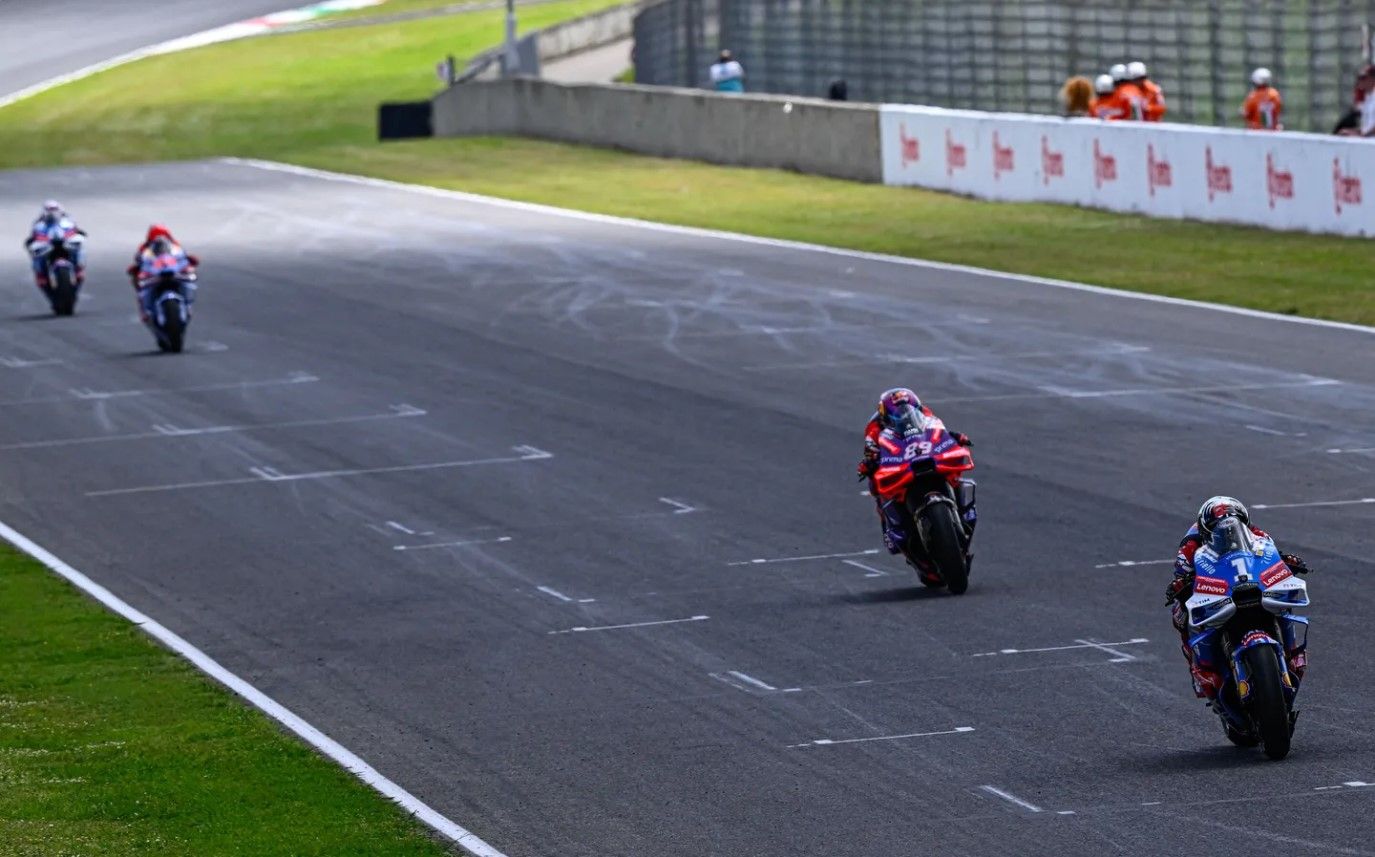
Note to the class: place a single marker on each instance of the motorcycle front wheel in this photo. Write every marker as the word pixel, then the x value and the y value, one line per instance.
pixel 1266 705
pixel 941 531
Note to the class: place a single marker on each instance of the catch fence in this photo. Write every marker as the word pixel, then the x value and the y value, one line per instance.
pixel 1014 55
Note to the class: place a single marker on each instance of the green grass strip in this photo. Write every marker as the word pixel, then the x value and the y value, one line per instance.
pixel 112 745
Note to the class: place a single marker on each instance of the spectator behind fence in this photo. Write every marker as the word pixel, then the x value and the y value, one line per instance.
pixel 1263 106
pixel 727 75
pixel 1105 104
pixel 839 91
pixel 1077 96
pixel 1153 106
pixel 1130 97
pixel 1351 122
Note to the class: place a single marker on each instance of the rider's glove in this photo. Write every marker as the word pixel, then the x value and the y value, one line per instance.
pixel 866 467
pixel 962 439
pixel 1179 589
pixel 1295 563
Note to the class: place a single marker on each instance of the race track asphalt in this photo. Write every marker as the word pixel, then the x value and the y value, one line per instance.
pixel 419 443
pixel 40 39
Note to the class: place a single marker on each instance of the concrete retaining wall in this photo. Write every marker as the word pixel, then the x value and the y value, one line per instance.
pixel 807 135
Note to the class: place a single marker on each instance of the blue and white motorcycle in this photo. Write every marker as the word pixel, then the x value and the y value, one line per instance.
pixel 1242 625
pixel 167 287
pixel 59 249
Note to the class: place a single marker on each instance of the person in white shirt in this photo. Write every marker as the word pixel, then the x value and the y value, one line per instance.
pixel 727 75
pixel 1365 90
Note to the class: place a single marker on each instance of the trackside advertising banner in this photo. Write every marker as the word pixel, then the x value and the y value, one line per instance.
pixel 1276 180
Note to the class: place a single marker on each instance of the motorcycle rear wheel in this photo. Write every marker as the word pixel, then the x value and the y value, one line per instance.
pixel 943 542
pixel 1266 705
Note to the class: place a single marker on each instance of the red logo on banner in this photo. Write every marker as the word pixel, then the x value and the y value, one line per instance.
pixel 1052 163
pixel 1104 166
pixel 1346 190
pixel 956 155
pixel 1158 172
pixel 911 146
pixel 1219 176
pixel 1278 183
pixel 1004 159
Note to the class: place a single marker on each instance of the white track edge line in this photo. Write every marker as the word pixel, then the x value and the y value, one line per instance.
pixel 537 208
pixel 465 838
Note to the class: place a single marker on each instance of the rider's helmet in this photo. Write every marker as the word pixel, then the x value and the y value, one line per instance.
pixel 1103 84
pixel 1261 77
pixel 1214 509
pixel 52 211
pixel 899 410
pixel 1136 70
pixel 156 231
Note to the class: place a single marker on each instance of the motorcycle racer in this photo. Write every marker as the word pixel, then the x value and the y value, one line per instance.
pixel 52 216
pixel 901 411
pixel 1208 682
pixel 159 241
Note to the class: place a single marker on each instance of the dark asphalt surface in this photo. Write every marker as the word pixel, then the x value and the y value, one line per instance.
pixel 291 467
pixel 40 39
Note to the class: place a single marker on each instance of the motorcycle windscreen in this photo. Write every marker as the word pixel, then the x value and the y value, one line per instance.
pixel 1231 535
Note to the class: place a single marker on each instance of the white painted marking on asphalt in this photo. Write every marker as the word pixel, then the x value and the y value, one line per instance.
pixel 872 572
pixel 345 757
pixel 559 595
pixel 580 629
pixel 1061 392
pixel 778 243
pixel 169 430
pixel 1079 644
pixel 980 357
pixel 1153 803
pixel 21 363
pixel 459 544
pixel 531 453
pixel 1325 788
pixel 680 508
pixel 1276 433
pixel 1358 502
pixel 1128 563
pixel 1011 798
pixel 213 346
pixel 751 680
pixel 1118 657
pixel 787 245
pixel 870 552
pixel 1065 812
pixel 1361 449
pixel 401 527
pixel 264 474
pixel 832 742
pixel 1357 784
pixel 86 393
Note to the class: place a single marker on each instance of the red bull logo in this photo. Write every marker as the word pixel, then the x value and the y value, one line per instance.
pixel 1052 162
pixel 911 146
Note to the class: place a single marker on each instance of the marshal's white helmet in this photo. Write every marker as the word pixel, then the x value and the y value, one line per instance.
pixel 1261 77
pixel 1118 72
pixel 1136 70
pixel 1103 84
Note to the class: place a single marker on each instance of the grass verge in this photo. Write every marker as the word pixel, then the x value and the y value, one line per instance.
pixel 111 745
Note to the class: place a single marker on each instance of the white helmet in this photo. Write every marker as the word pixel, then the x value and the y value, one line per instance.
pixel 1118 72
pixel 53 208
pixel 1136 70
pixel 1261 77
pixel 1103 84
